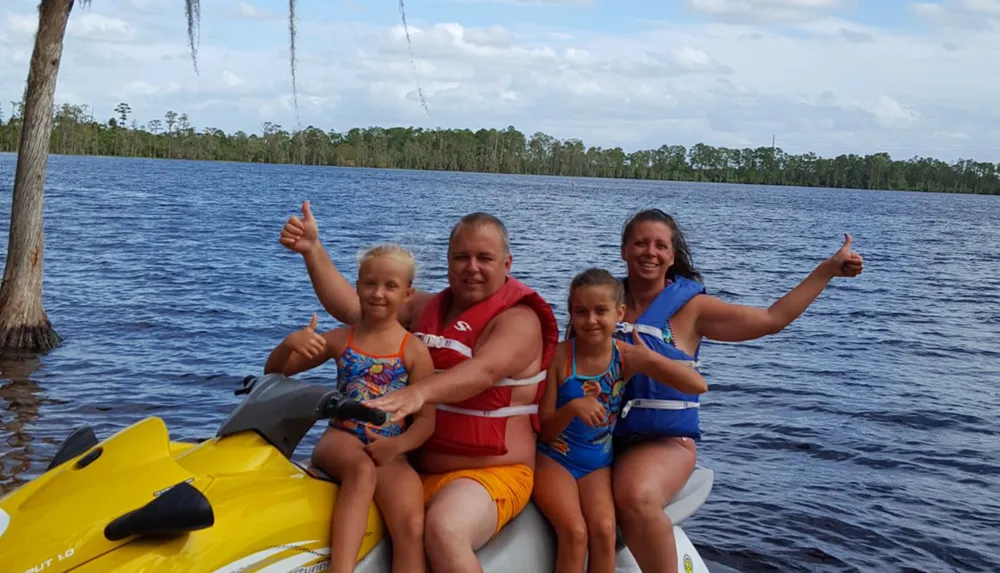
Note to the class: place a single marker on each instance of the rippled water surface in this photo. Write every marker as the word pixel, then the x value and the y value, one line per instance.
pixel 862 438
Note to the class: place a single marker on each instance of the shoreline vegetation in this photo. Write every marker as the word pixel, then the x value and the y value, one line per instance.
pixel 76 132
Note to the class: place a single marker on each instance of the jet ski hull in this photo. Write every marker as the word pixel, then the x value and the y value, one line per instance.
pixel 137 501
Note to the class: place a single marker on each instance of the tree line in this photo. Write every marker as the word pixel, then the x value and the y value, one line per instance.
pixel 76 132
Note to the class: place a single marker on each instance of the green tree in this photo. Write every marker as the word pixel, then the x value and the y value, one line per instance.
pixel 123 109
pixel 507 151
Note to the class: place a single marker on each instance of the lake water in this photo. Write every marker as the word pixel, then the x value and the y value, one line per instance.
pixel 862 438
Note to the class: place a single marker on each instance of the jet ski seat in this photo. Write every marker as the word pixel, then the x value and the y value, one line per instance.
pixel 692 496
pixel 528 542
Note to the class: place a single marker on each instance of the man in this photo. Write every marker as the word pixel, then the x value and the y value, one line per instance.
pixel 491 339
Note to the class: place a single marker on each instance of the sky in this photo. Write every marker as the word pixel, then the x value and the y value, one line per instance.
pixel 828 76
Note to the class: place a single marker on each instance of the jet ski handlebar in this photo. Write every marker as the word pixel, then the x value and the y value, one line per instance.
pixel 336 404
pixel 282 410
pixel 341 408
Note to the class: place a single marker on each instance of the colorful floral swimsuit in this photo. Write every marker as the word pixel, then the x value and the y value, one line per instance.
pixel 581 448
pixel 362 377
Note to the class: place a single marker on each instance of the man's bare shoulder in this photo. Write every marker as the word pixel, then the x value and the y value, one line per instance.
pixel 415 309
pixel 511 343
pixel 520 320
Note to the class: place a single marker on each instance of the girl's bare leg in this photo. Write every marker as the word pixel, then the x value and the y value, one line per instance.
pixel 556 495
pixel 598 505
pixel 399 494
pixel 342 455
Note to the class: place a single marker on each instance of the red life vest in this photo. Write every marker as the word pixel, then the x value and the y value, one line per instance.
pixel 477 426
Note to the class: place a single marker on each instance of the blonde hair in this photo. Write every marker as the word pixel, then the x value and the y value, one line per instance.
pixel 398 252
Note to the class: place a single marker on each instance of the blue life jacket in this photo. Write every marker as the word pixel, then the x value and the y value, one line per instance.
pixel 651 409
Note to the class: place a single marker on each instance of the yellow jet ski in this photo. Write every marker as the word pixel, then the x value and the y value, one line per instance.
pixel 236 502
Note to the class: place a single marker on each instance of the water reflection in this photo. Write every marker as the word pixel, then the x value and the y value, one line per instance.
pixel 21 400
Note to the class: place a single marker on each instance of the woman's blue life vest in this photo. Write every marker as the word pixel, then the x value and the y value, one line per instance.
pixel 651 409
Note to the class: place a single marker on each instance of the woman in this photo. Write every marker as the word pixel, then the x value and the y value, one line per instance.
pixel 656 433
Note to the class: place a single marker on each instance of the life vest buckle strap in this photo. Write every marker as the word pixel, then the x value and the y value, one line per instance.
pixel 650 330
pixel 438 341
pixel 628 328
pixel 654 404
pixel 506 412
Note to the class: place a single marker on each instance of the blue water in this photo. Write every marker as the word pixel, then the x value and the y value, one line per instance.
pixel 862 438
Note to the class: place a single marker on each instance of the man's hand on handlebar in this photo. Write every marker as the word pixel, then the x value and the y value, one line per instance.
pixel 354 410
pixel 400 403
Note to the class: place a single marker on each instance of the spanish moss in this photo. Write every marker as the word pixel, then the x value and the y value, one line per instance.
pixel 413 64
pixel 291 34
pixel 192 9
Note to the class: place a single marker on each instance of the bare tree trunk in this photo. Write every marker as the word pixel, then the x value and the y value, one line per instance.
pixel 23 323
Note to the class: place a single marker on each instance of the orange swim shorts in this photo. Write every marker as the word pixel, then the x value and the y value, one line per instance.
pixel 509 486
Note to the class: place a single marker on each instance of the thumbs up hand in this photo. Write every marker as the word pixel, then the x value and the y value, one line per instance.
pixel 846 262
pixel 300 235
pixel 306 342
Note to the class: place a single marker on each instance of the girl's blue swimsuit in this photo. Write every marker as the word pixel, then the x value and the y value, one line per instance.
pixel 581 448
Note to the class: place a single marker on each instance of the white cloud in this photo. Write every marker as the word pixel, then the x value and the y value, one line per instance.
pixel 893 114
pixel 247 10
pixel 83 24
pixel 140 88
pixel 231 80
pixel 444 40
pixel 691 59
pixel 928 9
pixel 831 85
pixel 748 11
pixel 149 6
pixel 93 26
pixel 495 36
pixel 972 14
pixel 532 2
pixel 21 24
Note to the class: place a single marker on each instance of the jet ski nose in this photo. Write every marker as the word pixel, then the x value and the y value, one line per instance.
pixel 177 510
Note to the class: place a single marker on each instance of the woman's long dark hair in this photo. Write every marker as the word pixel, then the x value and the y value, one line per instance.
pixel 590 278
pixel 683 265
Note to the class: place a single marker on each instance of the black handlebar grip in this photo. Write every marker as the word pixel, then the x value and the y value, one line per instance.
pixel 353 410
